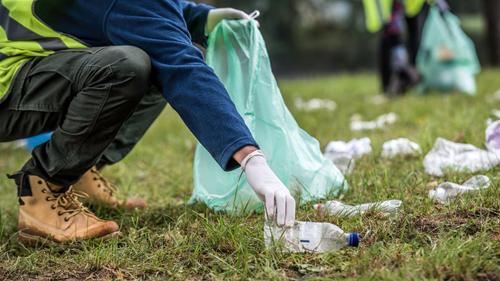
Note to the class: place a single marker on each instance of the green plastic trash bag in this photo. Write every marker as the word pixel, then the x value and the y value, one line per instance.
pixel 237 53
pixel 447 58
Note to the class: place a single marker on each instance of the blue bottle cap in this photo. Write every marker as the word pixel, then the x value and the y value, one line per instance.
pixel 354 239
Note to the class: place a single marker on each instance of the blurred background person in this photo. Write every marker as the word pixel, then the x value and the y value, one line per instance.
pixel 400 23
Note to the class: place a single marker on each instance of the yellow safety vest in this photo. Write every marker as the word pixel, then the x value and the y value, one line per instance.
pixel 378 12
pixel 22 37
pixel 413 7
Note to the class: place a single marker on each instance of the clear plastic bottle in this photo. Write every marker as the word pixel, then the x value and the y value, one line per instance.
pixel 339 208
pixel 448 191
pixel 312 237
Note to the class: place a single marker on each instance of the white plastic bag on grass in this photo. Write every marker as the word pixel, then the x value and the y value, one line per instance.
pixel 343 154
pixel 315 104
pixel 357 124
pixel 459 157
pixel 493 136
pixel 400 147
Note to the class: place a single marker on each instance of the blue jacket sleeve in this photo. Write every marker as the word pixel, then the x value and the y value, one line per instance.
pixel 188 84
pixel 195 16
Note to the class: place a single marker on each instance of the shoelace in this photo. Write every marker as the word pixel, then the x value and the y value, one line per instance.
pixel 70 202
pixel 108 187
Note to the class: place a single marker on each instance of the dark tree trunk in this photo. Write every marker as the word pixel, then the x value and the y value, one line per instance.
pixel 492 12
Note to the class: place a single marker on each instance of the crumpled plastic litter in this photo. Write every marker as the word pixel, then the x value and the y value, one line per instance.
pixel 459 157
pixel 309 237
pixel 400 147
pixel 493 136
pixel 343 154
pixel 342 209
pixel 496 113
pixel 315 104
pixel 356 148
pixel 448 191
pixel 357 124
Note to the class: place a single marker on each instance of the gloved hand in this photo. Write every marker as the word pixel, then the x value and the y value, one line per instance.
pixel 217 15
pixel 279 203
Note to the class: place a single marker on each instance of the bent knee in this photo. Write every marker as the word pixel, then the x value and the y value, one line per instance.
pixel 135 64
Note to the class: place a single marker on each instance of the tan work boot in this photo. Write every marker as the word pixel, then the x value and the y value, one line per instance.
pixel 58 217
pixel 101 192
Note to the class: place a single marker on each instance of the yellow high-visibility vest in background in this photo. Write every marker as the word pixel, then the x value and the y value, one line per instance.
pixel 23 36
pixel 413 7
pixel 378 12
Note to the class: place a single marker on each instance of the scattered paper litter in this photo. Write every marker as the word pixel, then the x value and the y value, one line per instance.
pixel 447 191
pixel 313 237
pixel 357 124
pixel 400 147
pixel 343 154
pixel 459 157
pixel 315 104
pixel 339 208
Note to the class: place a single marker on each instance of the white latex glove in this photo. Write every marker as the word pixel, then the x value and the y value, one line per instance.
pixel 279 203
pixel 217 15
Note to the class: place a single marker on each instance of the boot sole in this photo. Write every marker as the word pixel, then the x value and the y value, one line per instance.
pixel 34 240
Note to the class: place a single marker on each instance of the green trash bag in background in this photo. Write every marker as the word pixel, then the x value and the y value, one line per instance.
pixel 237 53
pixel 447 58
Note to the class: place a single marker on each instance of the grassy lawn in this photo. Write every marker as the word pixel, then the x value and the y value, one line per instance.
pixel 174 241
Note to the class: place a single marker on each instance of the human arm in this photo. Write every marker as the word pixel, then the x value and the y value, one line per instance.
pixel 187 83
pixel 196 16
pixel 196 93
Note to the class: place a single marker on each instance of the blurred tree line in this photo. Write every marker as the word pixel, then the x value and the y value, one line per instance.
pixel 492 14
pixel 308 36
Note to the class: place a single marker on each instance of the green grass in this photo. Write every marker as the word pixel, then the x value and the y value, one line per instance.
pixel 174 241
